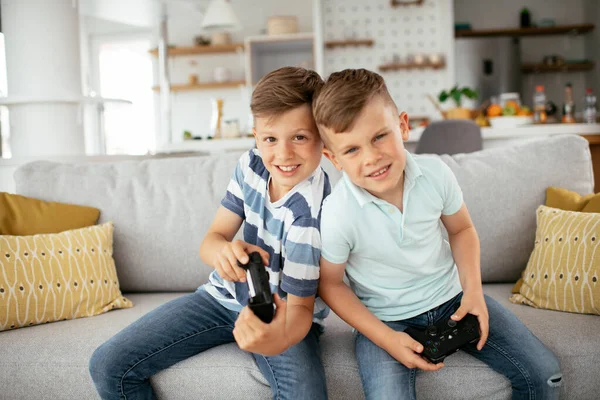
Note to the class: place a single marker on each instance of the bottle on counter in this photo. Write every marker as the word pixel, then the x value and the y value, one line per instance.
pixel 568 106
pixel 525 18
pixel 539 105
pixel 589 112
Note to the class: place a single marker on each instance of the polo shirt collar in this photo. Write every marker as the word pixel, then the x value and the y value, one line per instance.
pixel 412 171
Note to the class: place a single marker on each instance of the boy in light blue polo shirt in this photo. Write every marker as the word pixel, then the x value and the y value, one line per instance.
pixel 381 227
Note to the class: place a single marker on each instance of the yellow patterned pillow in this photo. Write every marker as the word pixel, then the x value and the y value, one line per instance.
pixel 564 267
pixel 53 277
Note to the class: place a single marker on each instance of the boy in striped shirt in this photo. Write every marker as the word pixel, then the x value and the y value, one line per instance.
pixel 276 192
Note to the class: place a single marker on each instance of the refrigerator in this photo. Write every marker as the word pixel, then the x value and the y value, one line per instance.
pixel 490 65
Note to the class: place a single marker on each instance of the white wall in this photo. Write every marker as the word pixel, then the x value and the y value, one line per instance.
pixel 130 12
pixel 397 32
pixel 192 110
pixel 490 14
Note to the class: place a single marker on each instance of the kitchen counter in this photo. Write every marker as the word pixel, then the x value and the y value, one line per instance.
pixel 524 132
pixel 527 131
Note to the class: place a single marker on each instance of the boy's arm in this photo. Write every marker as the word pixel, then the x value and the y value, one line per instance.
pixel 464 243
pixel 291 323
pixel 218 250
pixel 293 317
pixel 348 307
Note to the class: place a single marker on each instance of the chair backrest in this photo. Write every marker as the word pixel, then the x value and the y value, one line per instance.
pixel 450 137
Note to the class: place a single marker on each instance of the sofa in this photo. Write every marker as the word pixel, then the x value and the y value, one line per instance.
pixel 162 208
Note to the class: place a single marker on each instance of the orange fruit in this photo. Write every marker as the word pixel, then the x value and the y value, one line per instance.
pixel 494 110
pixel 513 104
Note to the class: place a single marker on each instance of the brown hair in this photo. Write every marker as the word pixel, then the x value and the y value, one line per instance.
pixel 283 90
pixel 345 93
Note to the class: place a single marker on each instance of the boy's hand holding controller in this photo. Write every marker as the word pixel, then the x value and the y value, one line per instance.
pixel 406 350
pixel 255 336
pixel 226 260
pixel 473 302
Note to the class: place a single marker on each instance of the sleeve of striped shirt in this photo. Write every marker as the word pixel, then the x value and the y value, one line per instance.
pixel 234 197
pixel 302 253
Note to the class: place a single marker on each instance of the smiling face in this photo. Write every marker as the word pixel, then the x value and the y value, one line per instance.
pixel 290 148
pixel 371 151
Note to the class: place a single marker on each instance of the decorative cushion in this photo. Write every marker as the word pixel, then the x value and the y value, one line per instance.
pixel 53 277
pixel 572 201
pixel 22 216
pixel 564 267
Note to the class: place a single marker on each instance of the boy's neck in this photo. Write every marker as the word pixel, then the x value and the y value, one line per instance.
pixel 276 192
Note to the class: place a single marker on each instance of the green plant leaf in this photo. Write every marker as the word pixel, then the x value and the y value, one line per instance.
pixel 456 94
pixel 443 96
pixel 470 93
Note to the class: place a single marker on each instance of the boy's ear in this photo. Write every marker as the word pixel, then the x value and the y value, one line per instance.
pixel 404 127
pixel 331 156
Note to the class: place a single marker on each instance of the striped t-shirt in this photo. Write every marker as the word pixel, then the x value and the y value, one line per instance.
pixel 288 229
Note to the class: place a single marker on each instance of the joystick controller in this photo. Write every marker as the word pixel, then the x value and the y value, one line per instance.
pixel 260 298
pixel 445 337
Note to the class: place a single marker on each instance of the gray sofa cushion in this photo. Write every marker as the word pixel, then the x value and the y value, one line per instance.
pixel 503 187
pixel 51 361
pixel 161 210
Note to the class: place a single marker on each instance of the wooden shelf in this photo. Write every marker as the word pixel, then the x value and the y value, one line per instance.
pixel 394 67
pixel 330 44
pixel 195 50
pixel 396 3
pixel 203 86
pixel 568 67
pixel 541 31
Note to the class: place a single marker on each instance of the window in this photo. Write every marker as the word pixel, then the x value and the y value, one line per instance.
pixel 125 72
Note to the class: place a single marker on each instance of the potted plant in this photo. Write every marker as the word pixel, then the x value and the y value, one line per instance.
pixel 457 94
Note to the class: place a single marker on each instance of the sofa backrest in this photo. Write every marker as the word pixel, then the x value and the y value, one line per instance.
pixel 162 208
pixel 502 188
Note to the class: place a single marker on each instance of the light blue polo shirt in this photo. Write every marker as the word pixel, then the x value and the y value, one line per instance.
pixel 398 263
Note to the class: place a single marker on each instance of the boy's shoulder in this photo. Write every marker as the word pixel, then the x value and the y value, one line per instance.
pixel 307 197
pixel 252 161
pixel 433 168
pixel 429 164
pixel 341 200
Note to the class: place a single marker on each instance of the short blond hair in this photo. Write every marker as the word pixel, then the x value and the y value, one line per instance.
pixel 339 102
pixel 283 90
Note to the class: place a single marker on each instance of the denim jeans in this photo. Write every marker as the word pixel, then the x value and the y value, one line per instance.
pixel 184 327
pixel 511 349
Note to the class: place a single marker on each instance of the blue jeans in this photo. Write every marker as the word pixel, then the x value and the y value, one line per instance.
pixel 184 327
pixel 511 349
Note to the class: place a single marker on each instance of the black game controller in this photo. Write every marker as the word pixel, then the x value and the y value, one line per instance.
pixel 260 297
pixel 445 337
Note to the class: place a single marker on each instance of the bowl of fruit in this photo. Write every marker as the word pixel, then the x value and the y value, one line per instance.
pixel 509 116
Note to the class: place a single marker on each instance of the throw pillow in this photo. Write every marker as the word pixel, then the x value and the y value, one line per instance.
pixel 572 201
pixel 564 267
pixel 23 216
pixel 53 277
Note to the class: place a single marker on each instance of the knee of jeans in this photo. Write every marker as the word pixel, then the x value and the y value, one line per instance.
pixel 555 380
pixel 101 363
pixel 551 374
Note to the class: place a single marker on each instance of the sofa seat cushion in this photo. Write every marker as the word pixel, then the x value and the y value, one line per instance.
pixel 34 367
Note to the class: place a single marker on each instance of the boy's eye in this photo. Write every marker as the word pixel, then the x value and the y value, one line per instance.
pixel 299 137
pixel 351 150
pixel 379 137
pixel 270 139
